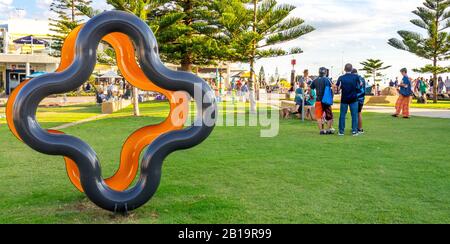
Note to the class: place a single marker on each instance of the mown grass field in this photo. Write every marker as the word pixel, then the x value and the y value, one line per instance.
pixel 399 172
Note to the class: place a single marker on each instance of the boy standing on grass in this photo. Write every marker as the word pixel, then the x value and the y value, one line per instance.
pixel 361 99
pixel 404 99
pixel 323 110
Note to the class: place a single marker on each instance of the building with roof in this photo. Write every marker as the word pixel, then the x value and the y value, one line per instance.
pixel 24 50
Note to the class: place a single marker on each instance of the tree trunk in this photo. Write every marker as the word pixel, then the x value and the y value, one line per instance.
pixel 186 60
pixel 375 82
pixel 136 102
pixel 435 57
pixel 435 83
pixel 186 63
pixel 73 10
pixel 251 88
pixel 252 62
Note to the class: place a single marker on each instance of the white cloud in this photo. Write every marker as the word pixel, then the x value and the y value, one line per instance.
pixel 43 4
pixel 101 5
pixel 350 31
pixel 5 8
pixel 44 7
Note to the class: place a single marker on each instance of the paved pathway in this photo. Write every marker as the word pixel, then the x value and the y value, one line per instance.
pixel 64 126
pixel 69 101
pixel 421 112
pixel 60 102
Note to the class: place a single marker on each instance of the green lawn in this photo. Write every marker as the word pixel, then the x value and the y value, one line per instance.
pixel 414 104
pixel 399 172
pixel 53 116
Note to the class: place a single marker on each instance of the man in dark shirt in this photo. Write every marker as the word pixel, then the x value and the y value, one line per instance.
pixel 350 86
pixel 391 83
pixel 323 110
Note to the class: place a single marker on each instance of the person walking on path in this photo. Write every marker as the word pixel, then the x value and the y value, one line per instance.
pixel 404 99
pixel 244 92
pixel 447 84
pixel 441 85
pixel 391 83
pixel 350 85
pixel 422 88
pixel 323 110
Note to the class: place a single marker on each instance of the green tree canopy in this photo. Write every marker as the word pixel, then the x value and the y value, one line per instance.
pixel 372 67
pixel 68 17
pixel 434 45
pixel 182 27
pixel 257 29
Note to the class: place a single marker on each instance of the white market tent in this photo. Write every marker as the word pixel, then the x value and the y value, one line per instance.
pixel 110 75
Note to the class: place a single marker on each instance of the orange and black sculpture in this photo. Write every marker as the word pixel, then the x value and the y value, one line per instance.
pixel 138 60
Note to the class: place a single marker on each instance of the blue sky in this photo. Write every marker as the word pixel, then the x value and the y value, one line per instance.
pixel 347 31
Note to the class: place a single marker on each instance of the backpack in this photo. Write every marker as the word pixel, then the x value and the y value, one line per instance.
pixel 328 94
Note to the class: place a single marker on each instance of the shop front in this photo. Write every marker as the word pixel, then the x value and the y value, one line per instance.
pixel 14 75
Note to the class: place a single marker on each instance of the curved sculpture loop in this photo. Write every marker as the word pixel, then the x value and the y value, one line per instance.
pixel 130 37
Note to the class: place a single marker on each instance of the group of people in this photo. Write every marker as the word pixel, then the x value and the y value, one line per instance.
pixel 319 93
pixel 108 91
pixel 239 90
pixel 352 86
pixel 423 86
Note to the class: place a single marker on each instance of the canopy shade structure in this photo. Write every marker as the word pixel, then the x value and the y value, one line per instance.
pixel 111 75
pixel 247 75
pixel 36 74
pixel 29 40
pixel 237 75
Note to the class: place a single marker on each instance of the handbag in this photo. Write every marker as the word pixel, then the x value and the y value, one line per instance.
pixel 328 95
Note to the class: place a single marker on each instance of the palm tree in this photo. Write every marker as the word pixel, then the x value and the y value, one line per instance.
pixel 258 29
pixel 373 67
pixel 68 17
pixel 148 10
pixel 139 9
pixel 434 19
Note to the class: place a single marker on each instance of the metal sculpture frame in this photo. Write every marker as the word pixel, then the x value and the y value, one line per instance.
pixel 131 38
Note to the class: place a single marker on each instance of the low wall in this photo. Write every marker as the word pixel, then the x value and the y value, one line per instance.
pixel 381 99
pixel 113 106
pixel 287 104
pixel 369 100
